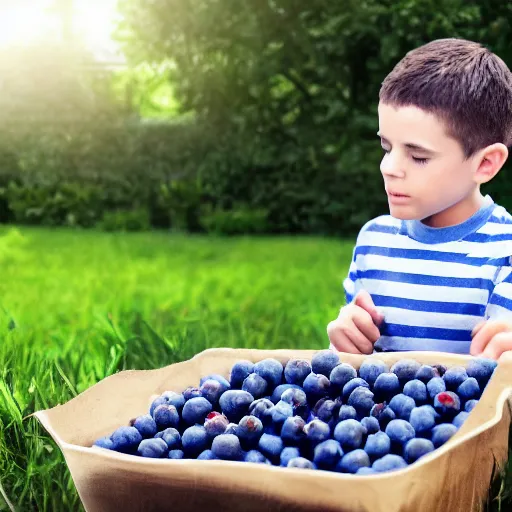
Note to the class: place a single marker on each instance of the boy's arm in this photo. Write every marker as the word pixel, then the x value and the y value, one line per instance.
pixel 493 337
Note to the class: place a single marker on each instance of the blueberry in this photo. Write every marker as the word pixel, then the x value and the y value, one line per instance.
pixel 296 370
pixel 342 374
pixel 215 424
pixel 239 372
pixel 361 399
pixel 271 446
pixel 386 386
pixel 371 424
pixel 422 420
pixel 153 448
pixel 171 437
pixel 371 368
pixel 405 370
pixel 417 390
pixel 470 405
pixel 353 384
pixel 460 418
pixel 207 455
pixel 211 390
pixel 227 447
pixel 288 453
pixel 280 412
pixel 389 462
pixel 428 407
pixel 317 431
pixel 191 392
pixel 347 412
pixel 441 369
pixel 166 416
pixel 316 387
pixel 349 433
pixel 383 413
pixel 219 378
pixel 256 456
pixel 326 409
pixel 251 429
pixel 426 372
pixel 255 385
pixel 435 386
pixel 145 425
pixel 324 362
pixel 447 404
pixel 481 369
pixel 416 448
pixel 301 462
pixel 399 432
pixel 377 445
pixel 327 454
pixel 235 404
pixel 441 433
pixel 469 389
pixel 194 440
pixel 126 439
pixel 279 391
pixel 402 406
pixel 365 471
pixel 454 377
pixel 351 462
pixel 232 428
pixel 168 398
pixel 297 398
pixel 195 410
pixel 176 454
pixel 262 409
pixel 104 442
pixel 271 370
pixel 293 430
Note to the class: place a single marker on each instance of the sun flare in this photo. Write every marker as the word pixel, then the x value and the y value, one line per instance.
pixel 26 21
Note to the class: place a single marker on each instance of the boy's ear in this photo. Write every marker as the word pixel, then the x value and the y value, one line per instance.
pixel 490 161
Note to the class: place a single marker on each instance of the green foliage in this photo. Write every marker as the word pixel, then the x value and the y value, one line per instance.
pixel 240 220
pixel 269 104
pixel 125 220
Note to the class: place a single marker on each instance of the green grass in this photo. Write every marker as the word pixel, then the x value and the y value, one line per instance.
pixel 77 306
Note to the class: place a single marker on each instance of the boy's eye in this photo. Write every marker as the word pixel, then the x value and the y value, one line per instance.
pixel 420 160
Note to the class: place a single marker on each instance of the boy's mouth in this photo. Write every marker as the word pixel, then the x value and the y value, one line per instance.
pixel 395 194
pixel 396 197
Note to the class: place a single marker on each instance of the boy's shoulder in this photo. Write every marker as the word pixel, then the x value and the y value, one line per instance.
pixel 501 216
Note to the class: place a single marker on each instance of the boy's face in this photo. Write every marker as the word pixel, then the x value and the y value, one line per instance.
pixel 424 169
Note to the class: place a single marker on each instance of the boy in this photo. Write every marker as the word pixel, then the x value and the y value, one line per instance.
pixel 436 274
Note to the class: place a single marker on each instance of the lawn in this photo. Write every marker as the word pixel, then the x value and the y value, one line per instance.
pixel 77 306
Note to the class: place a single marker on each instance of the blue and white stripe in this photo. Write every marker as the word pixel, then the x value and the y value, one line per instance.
pixel 435 285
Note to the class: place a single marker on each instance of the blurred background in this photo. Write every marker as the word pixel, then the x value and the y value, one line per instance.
pixel 207 116
pixel 177 175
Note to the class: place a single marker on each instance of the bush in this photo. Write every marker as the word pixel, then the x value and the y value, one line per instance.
pixel 125 220
pixel 240 220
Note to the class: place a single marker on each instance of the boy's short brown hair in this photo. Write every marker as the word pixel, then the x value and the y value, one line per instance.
pixel 463 83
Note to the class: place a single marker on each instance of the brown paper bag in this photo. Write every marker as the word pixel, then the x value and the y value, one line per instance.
pixel 455 477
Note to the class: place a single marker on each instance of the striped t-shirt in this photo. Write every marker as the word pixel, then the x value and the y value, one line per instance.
pixel 434 284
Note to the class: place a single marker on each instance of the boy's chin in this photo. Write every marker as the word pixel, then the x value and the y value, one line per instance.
pixel 403 214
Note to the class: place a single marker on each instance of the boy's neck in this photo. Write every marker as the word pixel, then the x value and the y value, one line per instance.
pixel 457 213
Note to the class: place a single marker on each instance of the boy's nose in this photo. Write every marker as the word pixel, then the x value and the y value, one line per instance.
pixel 391 165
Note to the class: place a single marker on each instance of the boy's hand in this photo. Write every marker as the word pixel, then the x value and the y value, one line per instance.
pixel 356 328
pixel 491 339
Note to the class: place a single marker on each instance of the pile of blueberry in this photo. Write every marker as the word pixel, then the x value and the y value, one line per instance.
pixel 322 414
